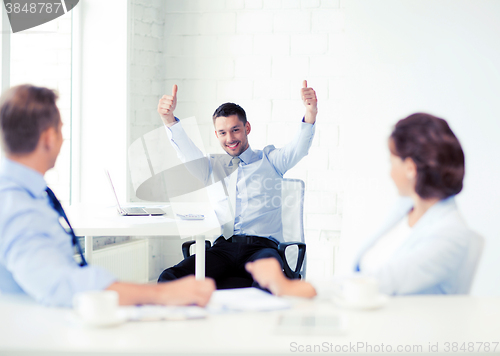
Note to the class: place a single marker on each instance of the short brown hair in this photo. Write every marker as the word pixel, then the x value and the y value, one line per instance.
pixel 25 112
pixel 430 143
pixel 229 109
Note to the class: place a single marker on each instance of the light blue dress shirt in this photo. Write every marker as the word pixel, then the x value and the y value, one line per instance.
pixel 36 253
pixel 258 187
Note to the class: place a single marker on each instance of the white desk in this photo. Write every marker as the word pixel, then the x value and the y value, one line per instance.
pixel 29 329
pixel 94 220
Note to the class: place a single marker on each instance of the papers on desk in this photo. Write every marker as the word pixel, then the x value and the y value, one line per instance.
pixel 162 312
pixel 222 301
pixel 245 299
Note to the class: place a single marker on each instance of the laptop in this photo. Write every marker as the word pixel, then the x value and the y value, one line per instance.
pixel 132 211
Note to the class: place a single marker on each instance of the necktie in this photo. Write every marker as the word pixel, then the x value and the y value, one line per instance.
pixel 58 207
pixel 228 229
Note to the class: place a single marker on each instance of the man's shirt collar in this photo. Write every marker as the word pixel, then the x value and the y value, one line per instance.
pixel 24 176
pixel 247 156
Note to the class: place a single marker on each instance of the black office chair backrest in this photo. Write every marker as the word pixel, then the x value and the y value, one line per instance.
pixel 292 217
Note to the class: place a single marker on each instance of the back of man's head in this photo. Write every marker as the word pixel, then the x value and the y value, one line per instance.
pixel 229 109
pixel 25 112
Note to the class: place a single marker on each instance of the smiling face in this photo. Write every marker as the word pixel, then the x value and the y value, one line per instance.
pixel 232 134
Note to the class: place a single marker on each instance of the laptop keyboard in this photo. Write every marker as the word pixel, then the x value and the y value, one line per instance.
pixel 134 210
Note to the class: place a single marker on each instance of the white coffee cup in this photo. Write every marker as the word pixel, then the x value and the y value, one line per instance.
pixel 97 308
pixel 359 290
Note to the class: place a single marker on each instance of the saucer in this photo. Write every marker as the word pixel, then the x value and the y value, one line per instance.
pixel 378 302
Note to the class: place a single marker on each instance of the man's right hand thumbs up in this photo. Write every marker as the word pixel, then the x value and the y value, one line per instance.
pixel 166 106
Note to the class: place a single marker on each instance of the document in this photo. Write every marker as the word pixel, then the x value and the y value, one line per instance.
pixel 245 299
pixel 162 312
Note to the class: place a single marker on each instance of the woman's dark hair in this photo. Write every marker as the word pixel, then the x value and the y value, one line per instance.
pixel 229 109
pixel 25 112
pixel 430 143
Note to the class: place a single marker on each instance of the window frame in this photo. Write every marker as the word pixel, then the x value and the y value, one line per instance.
pixel 75 95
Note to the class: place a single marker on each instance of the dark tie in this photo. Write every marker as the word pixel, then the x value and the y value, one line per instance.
pixel 228 228
pixel 58 207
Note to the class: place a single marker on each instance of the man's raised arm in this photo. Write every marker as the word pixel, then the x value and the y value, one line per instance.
pixel 192 157
pixel 286 157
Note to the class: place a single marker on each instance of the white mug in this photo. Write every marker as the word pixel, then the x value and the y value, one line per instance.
pixel 359 290
pixel 97 307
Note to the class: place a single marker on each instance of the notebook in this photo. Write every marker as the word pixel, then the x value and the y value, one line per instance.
pixel 132 211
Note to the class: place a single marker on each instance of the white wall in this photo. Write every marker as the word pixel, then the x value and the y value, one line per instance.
pixel 103 120
pixel 147 69
pixel 441 57
pixel 51 67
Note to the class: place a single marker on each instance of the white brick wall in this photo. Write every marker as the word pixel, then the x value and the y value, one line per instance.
pixel 147 65
pixel 254 22
pixel 255 53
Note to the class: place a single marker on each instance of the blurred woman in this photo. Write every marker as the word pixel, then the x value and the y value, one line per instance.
pixel 423 246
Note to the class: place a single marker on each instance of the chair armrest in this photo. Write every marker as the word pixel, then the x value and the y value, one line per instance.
pixel 186 245
pixel 300 258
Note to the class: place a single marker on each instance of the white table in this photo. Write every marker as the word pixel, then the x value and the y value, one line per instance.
pixel 90 220
pixel 30 329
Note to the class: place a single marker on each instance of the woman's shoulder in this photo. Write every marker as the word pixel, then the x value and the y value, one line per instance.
pixel 445 221
pixel 447 213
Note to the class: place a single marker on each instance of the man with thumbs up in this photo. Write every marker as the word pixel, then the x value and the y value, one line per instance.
pixel 249 208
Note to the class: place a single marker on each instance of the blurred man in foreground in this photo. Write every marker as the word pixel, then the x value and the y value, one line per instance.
pixel 36 251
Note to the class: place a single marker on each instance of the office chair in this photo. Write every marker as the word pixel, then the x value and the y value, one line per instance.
pixel 292 250
pixel 469 267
